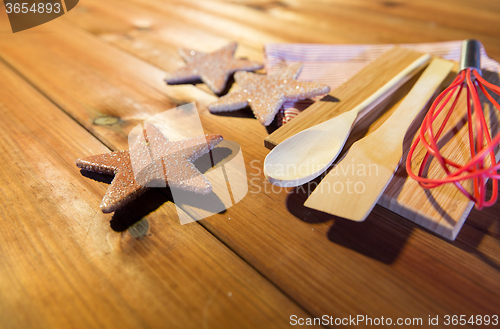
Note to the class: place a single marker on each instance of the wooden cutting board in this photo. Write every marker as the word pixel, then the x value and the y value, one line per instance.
pixel 442 210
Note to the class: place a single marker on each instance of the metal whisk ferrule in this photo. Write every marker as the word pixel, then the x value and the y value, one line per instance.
pixel 470 56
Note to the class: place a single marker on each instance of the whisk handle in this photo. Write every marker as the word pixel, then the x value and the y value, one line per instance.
pixel 471 55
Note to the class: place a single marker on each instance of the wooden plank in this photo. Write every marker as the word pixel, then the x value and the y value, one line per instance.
pixel 336 22
pixel 63 266
pixel 227 27
pixel 101 115
pixel 424 21
pixel 240 23
pixel 388 267
pixel 150 36
pixel 465 14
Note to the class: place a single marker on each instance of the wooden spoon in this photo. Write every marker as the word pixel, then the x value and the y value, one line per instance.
pixel 354 186
pixel 306 155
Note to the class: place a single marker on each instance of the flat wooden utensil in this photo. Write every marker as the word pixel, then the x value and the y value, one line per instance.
pixel 306 155
pixel 348 95
pixel 354 186
pixel 442 210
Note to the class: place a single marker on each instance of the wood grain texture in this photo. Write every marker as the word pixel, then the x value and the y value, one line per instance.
pixel 371 162
pixel 151 37
pixel 64 266
pixel 266 214
pixel 385 267
pixel 339 21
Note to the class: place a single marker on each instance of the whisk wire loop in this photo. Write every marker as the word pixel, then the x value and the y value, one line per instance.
pixel 482 165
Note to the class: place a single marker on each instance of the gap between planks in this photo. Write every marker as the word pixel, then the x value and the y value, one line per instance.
pixel 103 141
pixel 373 269
pixel 56 112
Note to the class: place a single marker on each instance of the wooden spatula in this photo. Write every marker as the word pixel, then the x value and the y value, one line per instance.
pixel 348 95
pixel 306 155
pixel 353 187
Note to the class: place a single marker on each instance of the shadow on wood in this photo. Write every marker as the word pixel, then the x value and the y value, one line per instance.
pixel 377 237
pixel 152 199
pixel 136 210
pixel 481 225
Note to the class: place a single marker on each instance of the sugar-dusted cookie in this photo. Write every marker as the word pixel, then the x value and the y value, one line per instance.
pixel 159 160
pixel 213 69
pixel 266 93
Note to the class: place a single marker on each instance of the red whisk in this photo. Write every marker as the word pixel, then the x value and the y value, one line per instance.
pixel 482 164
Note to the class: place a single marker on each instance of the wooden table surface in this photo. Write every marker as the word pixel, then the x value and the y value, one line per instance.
pixel 77 85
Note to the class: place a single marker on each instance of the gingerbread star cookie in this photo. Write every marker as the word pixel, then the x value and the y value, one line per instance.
pixel 213 69
pixel 151 161
pixel 266 93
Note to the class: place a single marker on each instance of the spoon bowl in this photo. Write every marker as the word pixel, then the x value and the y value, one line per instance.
pixel 307 154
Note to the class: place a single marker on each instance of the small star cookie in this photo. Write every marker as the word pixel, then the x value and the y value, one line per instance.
pixel 151 160
pixel 266 93
pixel 213 69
